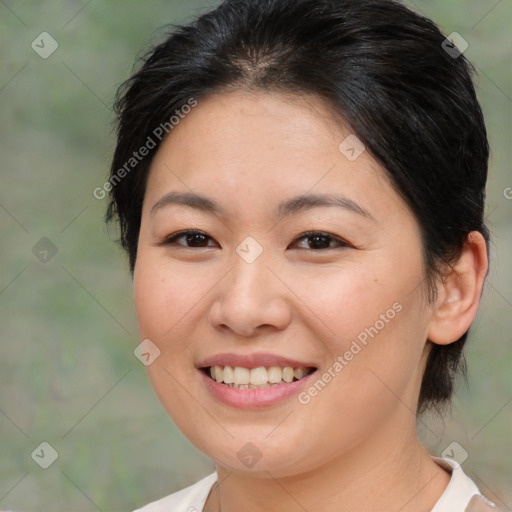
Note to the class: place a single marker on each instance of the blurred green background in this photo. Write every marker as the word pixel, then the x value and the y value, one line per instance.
pixel 68 375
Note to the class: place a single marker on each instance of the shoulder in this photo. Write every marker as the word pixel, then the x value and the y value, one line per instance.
pixel 462 494
pixel 190 499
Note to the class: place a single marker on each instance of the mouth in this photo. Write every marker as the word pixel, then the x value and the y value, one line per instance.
pixel 254 381
pixel 261 377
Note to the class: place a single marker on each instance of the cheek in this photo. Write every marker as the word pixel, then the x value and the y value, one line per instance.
pixel 165 295
pixel 349 305
pixel 373 318
pixel 164 302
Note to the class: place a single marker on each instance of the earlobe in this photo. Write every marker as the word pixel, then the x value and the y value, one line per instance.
pixel 459 292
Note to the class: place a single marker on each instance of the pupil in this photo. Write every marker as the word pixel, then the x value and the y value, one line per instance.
pixel 319 242
pixel 196 239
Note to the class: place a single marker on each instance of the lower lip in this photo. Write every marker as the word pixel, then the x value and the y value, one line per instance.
pixel 254 398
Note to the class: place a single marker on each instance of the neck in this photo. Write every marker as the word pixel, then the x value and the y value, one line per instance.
pixel 388 472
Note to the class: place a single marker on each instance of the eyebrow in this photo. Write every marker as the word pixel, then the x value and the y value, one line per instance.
pixel 307 201
pixel 286 208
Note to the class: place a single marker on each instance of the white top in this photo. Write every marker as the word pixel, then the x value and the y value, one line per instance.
pixel 455 498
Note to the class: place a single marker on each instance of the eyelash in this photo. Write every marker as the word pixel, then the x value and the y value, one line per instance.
pixel 308 234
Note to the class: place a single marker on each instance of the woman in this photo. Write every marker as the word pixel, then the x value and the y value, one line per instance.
pixel 300 189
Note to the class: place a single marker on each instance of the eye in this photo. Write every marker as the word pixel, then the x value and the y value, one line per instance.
pixel 190 238
pixel 318 240
pixel 312 240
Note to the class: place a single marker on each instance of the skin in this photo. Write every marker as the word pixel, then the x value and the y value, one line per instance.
pixel 354 446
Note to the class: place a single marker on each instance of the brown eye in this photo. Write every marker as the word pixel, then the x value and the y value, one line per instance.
pixel 191 239
pixel 318 240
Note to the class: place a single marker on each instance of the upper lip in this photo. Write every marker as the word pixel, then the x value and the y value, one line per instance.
pixel 252 361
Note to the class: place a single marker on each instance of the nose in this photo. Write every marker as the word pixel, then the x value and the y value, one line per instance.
pixel 251 300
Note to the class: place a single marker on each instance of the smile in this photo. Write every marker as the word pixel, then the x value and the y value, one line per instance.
pixel 254 381
pixel 239 377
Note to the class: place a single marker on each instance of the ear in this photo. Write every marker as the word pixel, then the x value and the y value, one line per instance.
pixel 459 292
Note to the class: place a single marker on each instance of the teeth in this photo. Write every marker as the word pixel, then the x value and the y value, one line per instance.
pixel 274 374
pixel 241 375
pixel 219 374
pixel 229 375
pixel 259 376
pixel 298 373
pixel 254 378
pixel 287 373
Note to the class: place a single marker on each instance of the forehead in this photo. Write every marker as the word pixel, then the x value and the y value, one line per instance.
pixel 266 146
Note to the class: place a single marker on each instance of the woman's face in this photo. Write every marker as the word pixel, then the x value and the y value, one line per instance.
pixel 306 257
